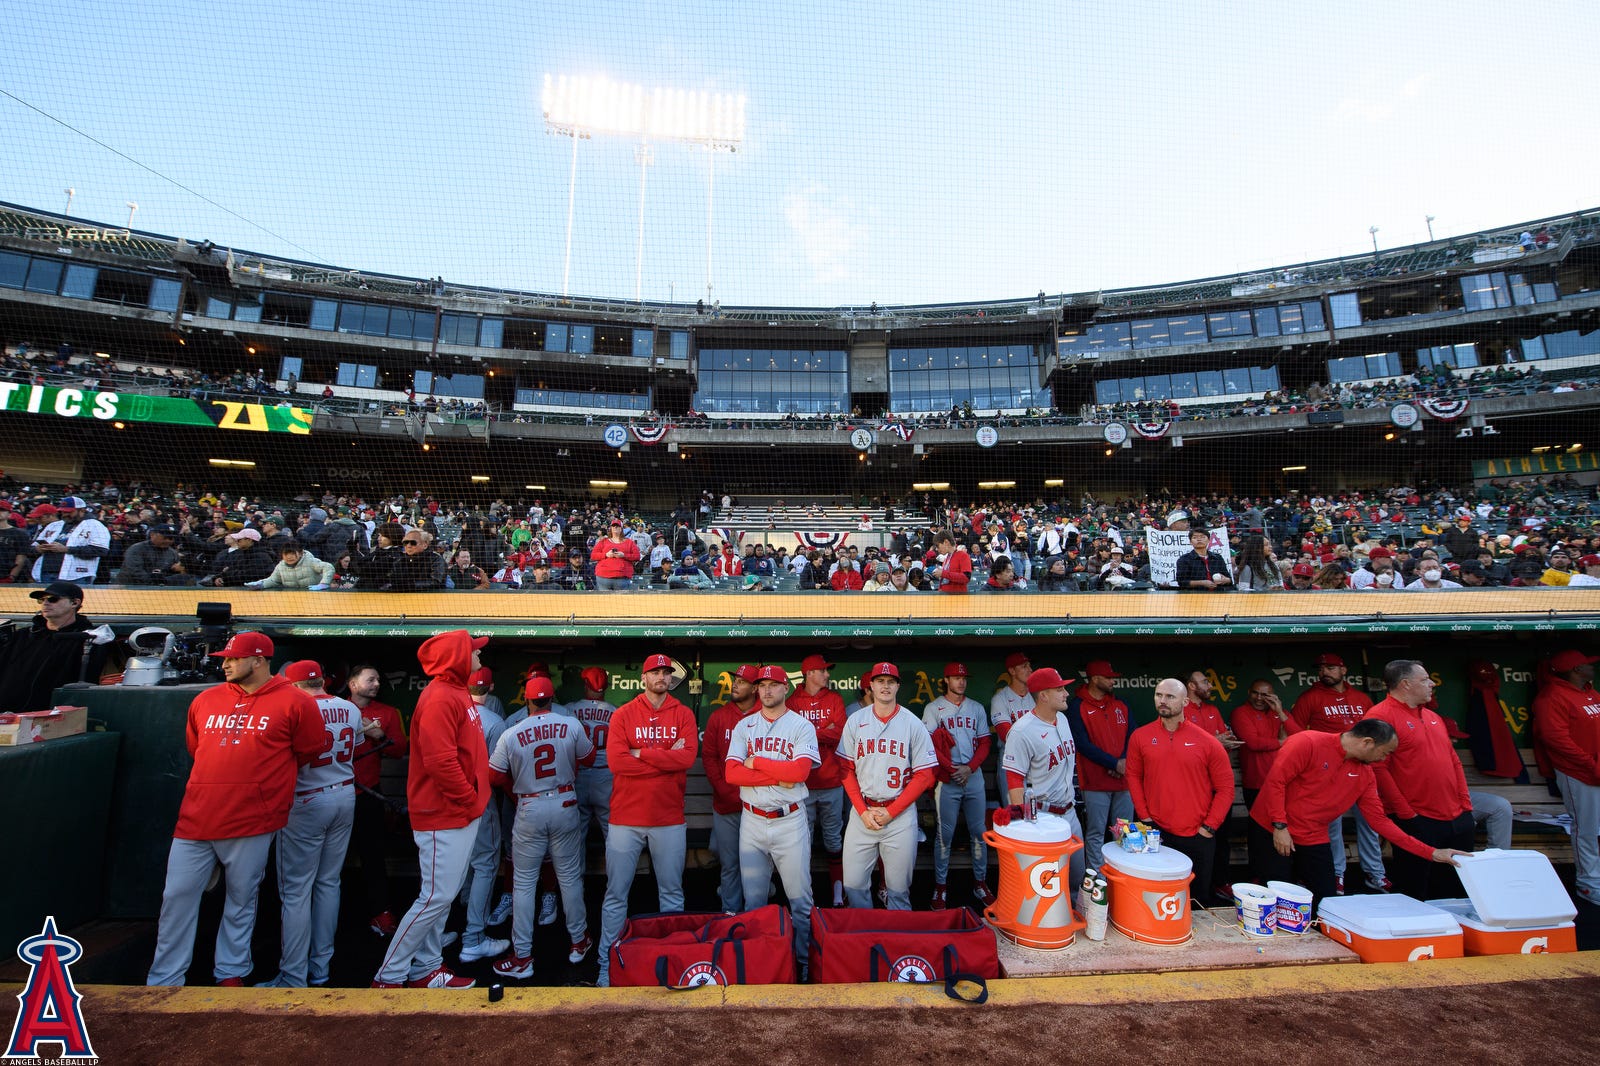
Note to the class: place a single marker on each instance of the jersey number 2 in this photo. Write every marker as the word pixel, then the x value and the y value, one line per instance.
pixel 544 760
pixel 340 746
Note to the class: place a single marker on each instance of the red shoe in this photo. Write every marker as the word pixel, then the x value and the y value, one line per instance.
pixel 981 893
pixel 387 984
pixel 516 966
pixel 580 948
pixel 938 902
pixel 441 978
pixel 231 982
pixel 384 924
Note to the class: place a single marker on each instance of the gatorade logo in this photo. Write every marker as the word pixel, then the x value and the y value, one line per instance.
pixel 911 968
pixel 1045 879
pixel 1165 906
pixel 1424 952
pixel 1536 945
pixel 701 974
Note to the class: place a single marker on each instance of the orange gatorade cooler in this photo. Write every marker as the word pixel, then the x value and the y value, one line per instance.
pixel 1150 894
pixel 1515 905
pixel 1390 928
pixel 1034 905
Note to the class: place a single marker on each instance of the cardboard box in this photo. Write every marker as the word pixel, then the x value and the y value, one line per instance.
pixel 33 726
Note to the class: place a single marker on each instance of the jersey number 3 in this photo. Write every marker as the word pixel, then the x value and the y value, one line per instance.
pixel 340 746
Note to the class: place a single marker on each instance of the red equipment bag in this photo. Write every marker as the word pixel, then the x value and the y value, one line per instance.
pixel 871 945
pixel 688 950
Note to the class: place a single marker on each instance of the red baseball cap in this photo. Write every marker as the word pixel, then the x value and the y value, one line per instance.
pixel 1380 552
pixel 1571 659
pixel 1304 570
pixel 657 661
pixel 1045 678
pixel 1589 560
pixel 539 688
pixel 955 669
pixel 750 672
pixel 303 670
pixel 881 670
pixel 481 676
pixel 769 673
pixel 595 678
pixel 1327 658
pixel 1099 668
pixel 538 669
pixel 1017 658
pixel 243 645
pixel 814 662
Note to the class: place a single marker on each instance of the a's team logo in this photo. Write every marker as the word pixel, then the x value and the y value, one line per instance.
pixel 912 968
pixel 702 973
pixel 50 1011
pixel 1165 906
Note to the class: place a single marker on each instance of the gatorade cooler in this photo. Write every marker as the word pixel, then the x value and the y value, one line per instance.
pixel 1516 905
pixel 1390 928
pixel 1034 905
pixel 1150 894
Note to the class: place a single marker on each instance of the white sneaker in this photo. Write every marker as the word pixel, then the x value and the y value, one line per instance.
pixel 514 967
pixel 502 910
pixel 487 948
pixel 547 909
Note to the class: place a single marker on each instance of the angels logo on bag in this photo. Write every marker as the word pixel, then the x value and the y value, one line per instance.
pixel 912 968
pixel 701 974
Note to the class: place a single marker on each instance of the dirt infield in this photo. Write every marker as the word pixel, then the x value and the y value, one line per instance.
pixel 1517 1010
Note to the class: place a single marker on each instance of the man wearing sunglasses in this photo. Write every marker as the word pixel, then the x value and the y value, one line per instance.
pixel 419 568
pixel 55 649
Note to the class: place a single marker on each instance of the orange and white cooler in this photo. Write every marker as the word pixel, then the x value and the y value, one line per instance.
pixel 1390 928
pixel 1034 905
pixel 1516 905
pixel 1150 894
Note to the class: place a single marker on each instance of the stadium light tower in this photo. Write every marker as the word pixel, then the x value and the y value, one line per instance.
pixel 133 209
pixel 1429 220
pixel 1374 231
pixel 70 194
pixel 644 157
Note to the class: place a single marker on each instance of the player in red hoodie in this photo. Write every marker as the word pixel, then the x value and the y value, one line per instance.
pixel 447 789
pixel 248 737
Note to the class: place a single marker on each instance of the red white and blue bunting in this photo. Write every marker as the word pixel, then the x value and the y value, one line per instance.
pixel 726 535
pixel 1151 430
pixel 899 429
pixel 818 539
pixel 1445 410
pixel 650 434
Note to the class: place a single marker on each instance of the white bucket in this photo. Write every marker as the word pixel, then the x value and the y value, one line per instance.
pixel 1257 907
pixel 1294 906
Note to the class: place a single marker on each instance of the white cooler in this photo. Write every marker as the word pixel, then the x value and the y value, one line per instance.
pixel 1390 928
pixel 1515 905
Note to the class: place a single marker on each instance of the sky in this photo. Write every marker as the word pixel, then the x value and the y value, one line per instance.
pixel 894 152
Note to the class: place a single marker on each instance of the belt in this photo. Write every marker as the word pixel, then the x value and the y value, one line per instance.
pixel 1052 809
pixel 870 802
pixel 764 813
pixel 325 788
pixel 546 792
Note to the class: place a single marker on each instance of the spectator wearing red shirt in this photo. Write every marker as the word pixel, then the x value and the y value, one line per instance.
pixel 955 565
pixel 614 556
pixel 726 810
pixel 1101 725
pixel 1333 705
pixel 1422 784
pixel 1262 725
pixel 1566 720
pixel 383 736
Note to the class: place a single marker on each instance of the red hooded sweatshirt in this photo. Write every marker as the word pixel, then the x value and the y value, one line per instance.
pixel 246 748
pixel 448 785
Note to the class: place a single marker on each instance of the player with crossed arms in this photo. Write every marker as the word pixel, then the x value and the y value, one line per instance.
pixel 888 762
pixel 311 847
pixel 537 762
pixel 770 755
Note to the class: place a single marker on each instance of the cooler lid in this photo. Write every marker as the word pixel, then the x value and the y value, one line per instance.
pixel 1390 917
pixel 1163 864
pixel 1515 889
pixel 1045 829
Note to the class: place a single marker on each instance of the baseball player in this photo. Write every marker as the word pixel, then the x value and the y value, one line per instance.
pixel 482 689
pixel 594 781
pixel 246 735
pixel 769 757
pixel 1333 705
pixel 383 736
pixel 888 762
pixel 726 811
pixel 485 861
pixel 1101 725
pixel 651 746
pixel 538 764
pixel 824 709
pixel 959 728
pixel 447 788
pixel 1041 755
pixel 547 877
pixel 312 845
pixel 1010 703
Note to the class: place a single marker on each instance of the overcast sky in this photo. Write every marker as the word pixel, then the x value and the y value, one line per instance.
pixel 897 152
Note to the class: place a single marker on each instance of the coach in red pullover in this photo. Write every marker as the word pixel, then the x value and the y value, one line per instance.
pixel 1566 719
pixel 1332 705
pixel 651 747
pixel 1315 777
pixel 1422 784
pixel 820 705
pixel 1262 725
pixel 1101 725
pixel 248 736
pixel 447 790
pixel 726 809
pixel 1181 781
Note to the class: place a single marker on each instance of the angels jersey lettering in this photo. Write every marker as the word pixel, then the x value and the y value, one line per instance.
pixel 964 721
pixel 886 753
pixel 1044 754
pixel 341 722
pixel 541 752
pixel 784 739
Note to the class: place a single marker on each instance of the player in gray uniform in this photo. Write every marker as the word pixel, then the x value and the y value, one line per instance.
pixel 311 846
pixel 508 810
pixel 1010 703
pixel 770 755
pixel 960 729
pixel 485 863
pixel 888 762
pixel 1041 756
pixel 594 782
pixel 538 763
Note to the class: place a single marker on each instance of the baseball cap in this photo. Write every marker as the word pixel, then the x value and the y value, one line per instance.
pixel 955 669
pixel 318 513
pixel 595 678
pixel 814 662
pixel 1327 658
pixel 616 522
pixel 243 645
pixel 1589 560
pixel 481 676
pixel 1044 678
pixel 73 503
pixel 771 673
pixel 750 672
pixel 539 688
pixel 1303 570
pixel 253 535
pixel 65 589
pixel 303 670
pixel 1380 552
pixel 688 553
pixel 478 643
pixel 44 510
pixel 1099 668
pixel 656 662
pixel 1016 659
pixel 881 670
pixel 1117 549
pixel 1571 659
pixel 164 530
pixel 1177 516
pixel 538 669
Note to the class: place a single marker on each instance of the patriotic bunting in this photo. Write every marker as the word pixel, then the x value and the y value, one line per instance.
pixel 650 434
pixel 816 539
pixel 726 535
pixel 1445 410
pixel 1151 430
pixel 899 429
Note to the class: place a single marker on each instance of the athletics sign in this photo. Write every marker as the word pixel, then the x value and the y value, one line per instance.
pixel 100 406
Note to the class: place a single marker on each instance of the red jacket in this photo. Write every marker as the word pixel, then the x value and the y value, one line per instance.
pixel 647 789
pixel 1101 729
pixel 1205 715
pixel 1327 710
pixel 846 580
pixel 448 783
pixel 246 747
pixel 719 730
pixel 1312 782
pixel 1567 720
pixel 368 768
pixel 825 712
pixel 605 566
pixel 1424 775
pixel 1179 780
pixel 1259 731
pixel 957 574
